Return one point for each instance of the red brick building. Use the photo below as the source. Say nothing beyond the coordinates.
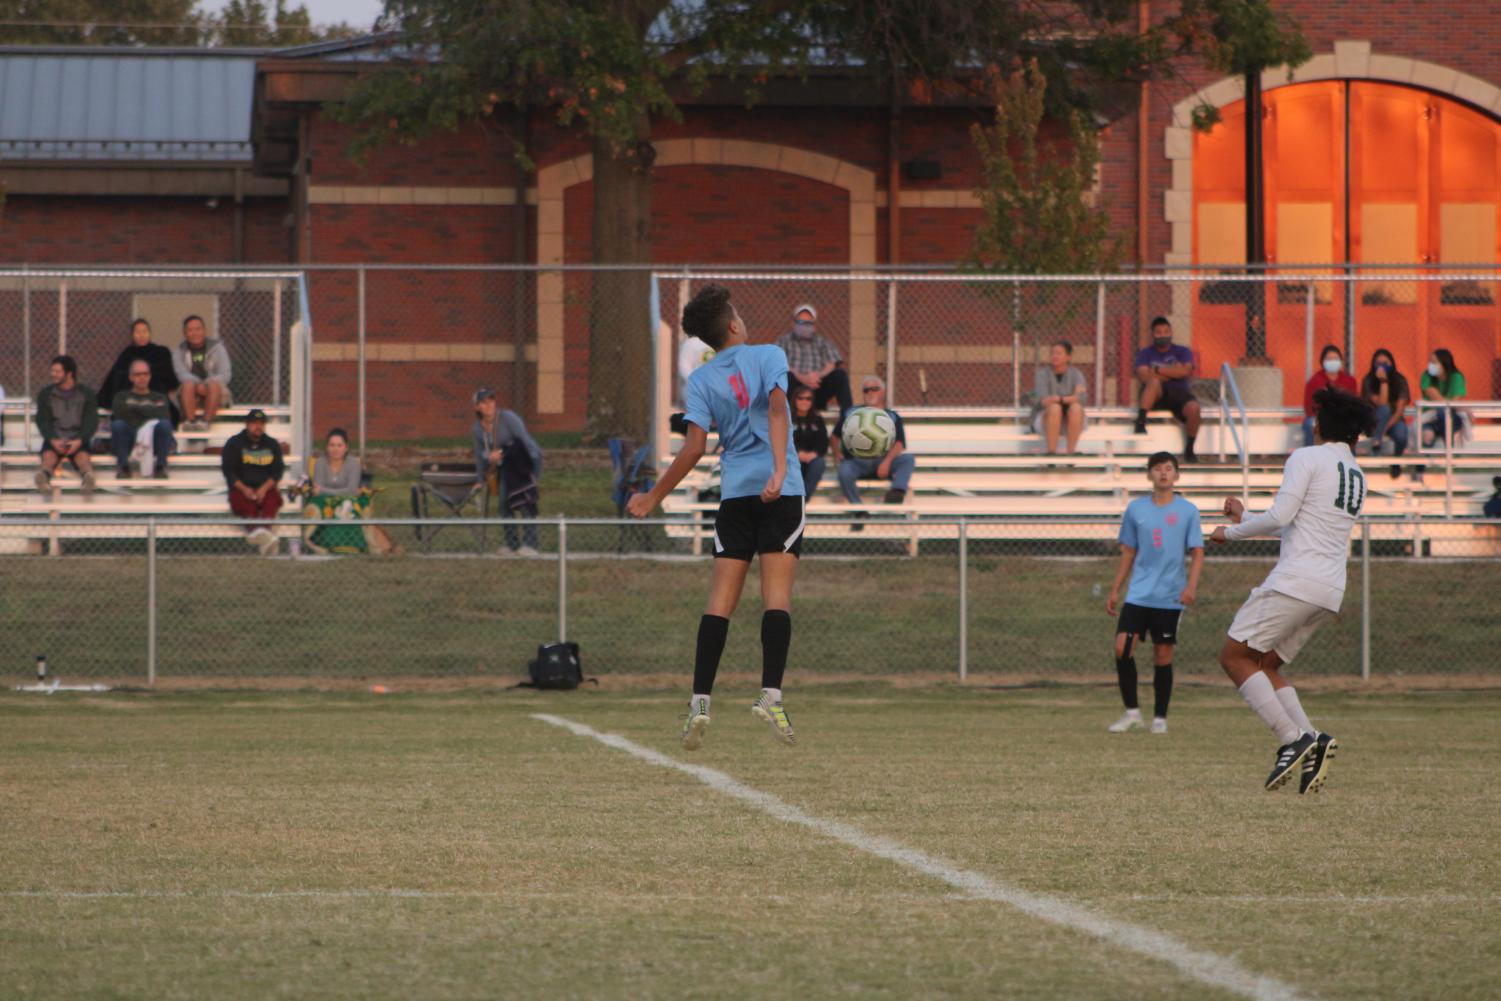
(1385, 147)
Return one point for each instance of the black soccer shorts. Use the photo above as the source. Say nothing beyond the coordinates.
(745, 526)
(1138, 620)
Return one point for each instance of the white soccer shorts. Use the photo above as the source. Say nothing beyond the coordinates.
(1277, 622)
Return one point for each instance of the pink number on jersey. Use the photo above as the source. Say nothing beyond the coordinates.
(742, 395)
(1156, 538)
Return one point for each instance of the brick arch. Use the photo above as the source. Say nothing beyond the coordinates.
(1350, 60)
(554, 179)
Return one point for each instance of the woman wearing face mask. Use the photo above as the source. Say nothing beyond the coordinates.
(1386, 389)
(1331, 373)
(1441, 381)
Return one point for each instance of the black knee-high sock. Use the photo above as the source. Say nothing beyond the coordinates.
(1162, 689)
(776, 637)
(1125, 673)
(712, 632)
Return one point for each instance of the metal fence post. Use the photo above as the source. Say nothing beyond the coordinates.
(276, 343)
(891, 341)
(360, 354)
(62, 317)
(562, 579)
(26, 357)
(1365, 599)
(1308, 336)
(151, 601)
(963, 599)
(1448, 458)
(1099, 348)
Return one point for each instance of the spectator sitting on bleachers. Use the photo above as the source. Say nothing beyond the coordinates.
(1386, 389)
(1060, 390)
(1331, 373)
(811, 439)
(1441, 381)
(896, 465)
(507, 457)
(202, 366)
(67, 414)
(135, 410)
(814, 361)
(1164, 370)
(140, 348)
(252, 464)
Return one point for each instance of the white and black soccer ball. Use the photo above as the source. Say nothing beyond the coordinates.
(868, 432)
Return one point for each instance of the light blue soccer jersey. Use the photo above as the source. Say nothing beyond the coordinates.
(1162, 537)
(731, 392)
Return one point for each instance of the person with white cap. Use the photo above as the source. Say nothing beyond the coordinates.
(896, 465)
(814, 361)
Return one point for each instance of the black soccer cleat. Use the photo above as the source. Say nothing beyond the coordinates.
(1316, 765)
(1289, 757)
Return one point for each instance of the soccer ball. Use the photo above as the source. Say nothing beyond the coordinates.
(868, 432)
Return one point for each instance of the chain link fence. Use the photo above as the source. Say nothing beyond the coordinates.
(975, 341)
(132, 601)
(88, 314)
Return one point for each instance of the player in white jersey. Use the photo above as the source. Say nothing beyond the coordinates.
(1315, 509)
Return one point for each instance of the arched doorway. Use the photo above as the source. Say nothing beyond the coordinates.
(1364, 172)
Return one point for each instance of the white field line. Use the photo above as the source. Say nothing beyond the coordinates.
(1206, 967)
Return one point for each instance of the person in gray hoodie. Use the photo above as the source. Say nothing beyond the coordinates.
(505, 451)
(202, 366)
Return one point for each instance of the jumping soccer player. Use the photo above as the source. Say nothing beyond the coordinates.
(742, 391)
(1156, 533)
(1315, 508)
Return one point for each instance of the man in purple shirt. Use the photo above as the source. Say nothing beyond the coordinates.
(1164, 370)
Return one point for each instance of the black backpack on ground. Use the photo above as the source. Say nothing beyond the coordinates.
(557, 667)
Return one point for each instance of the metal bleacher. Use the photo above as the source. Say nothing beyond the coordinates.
(194, 486)
(980, 464)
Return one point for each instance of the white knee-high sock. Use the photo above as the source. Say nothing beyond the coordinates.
(1289, 698)
(1262, 698)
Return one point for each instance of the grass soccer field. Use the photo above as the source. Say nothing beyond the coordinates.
(928, 842)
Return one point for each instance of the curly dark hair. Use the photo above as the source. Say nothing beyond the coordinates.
(1343, 417)
(707, 315)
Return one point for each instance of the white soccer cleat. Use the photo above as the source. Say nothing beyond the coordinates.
(695, 724)
(1128, 721)
(1159, 725)
(774, 714)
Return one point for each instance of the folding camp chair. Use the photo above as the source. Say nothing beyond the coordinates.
(632, 472)
(455, 487)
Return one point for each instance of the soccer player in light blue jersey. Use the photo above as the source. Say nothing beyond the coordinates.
(1157, 532)
(741, 391)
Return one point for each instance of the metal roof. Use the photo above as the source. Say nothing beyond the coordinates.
(114, 104)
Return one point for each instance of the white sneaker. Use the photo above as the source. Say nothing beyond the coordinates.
(271, 545)
(528, 551)
(1128, 721)
(1159, 725)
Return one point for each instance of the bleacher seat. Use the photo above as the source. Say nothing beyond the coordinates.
(986, 463)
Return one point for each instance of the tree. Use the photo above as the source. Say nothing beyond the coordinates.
(100, 22)
(611, 68)
(258, 23)
(243, 23)
(1039, 215)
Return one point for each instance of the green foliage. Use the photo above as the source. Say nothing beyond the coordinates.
(159, 22)
(1242, 36)
(1040, 216)
(259, 23)
(101, 22)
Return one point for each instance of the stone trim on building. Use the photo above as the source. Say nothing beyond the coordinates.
(1350, 60)
(554, 179)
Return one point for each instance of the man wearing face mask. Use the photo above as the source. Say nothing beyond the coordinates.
(1164, 370)
(1331, 373)
(814, 361)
